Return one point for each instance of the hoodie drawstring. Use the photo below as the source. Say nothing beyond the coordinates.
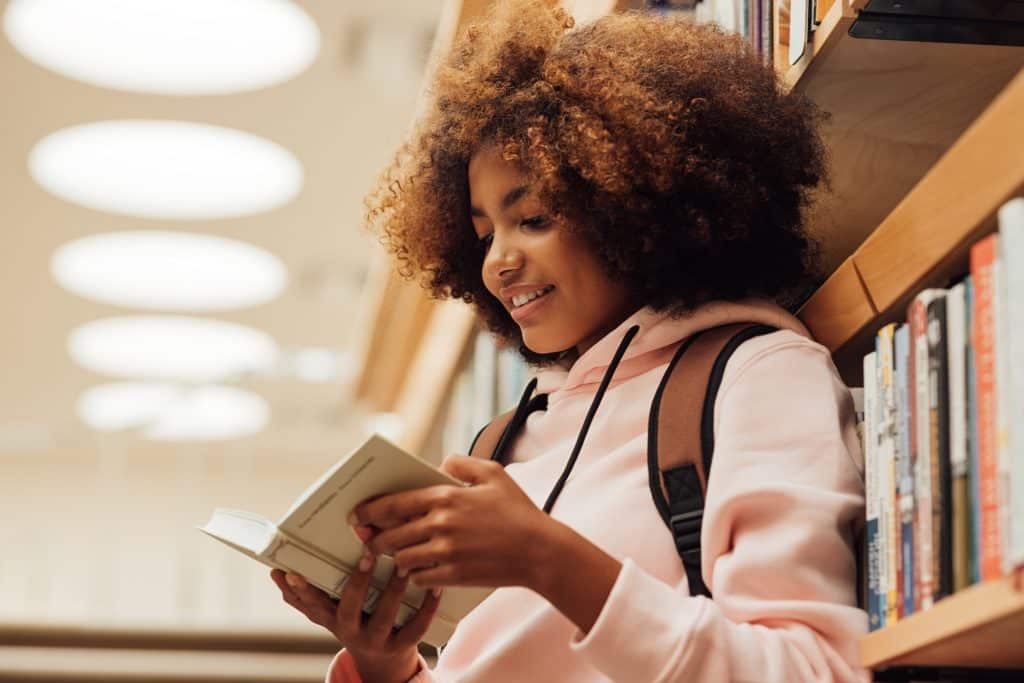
(605, 381)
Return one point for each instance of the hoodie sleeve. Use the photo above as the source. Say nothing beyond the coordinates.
(784, 499)
(343, 670)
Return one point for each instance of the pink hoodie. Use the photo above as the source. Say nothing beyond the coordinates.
(785, 499)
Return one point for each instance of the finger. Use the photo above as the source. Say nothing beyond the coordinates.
(385, 511)
(469, 470)
(391, 541)
(432, 553)
(383, 618)
(437, 577)
(412, 631)
(277, 576)
(349, 610)
(291, 599)
(318, 605)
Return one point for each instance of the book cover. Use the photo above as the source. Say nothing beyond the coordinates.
(1011, 230)
(904, 465)
(982, 259)
(872, 499)
(313, 539)
(888, 516)
(938, 440)
(956, 352)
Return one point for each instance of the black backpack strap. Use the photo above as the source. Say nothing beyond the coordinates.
(678, 471)
(494, 439)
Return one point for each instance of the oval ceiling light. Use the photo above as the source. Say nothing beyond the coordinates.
(170, 47)
(171, 348)
(170, 412)
(168, 271)
(173, 170)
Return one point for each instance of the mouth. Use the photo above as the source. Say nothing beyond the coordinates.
(525, 304)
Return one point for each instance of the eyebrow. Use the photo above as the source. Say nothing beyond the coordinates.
(513, 196)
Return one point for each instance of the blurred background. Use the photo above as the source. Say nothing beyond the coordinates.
(183, 287)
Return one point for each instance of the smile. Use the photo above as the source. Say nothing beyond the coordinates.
(522, 300)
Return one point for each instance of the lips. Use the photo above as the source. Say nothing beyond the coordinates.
(527, 310)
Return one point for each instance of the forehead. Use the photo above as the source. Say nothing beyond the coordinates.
(488, 173)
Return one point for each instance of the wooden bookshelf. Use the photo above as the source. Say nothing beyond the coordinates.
(981, 626)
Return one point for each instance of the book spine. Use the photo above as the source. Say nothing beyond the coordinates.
(957, 355)
(901, 356)
(1004, 401)
(938, 423)
(871, 496)
(1011, 230)
(973, 475)
(887, 463)
(923, 578)
(982, 259)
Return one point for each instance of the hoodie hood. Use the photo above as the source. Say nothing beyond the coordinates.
(656, 340)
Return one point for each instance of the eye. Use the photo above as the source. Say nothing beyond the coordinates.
(534, 222)
(485, 241)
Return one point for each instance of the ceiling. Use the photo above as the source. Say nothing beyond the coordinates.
(342, 118)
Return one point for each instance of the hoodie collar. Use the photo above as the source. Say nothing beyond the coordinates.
(660, 332)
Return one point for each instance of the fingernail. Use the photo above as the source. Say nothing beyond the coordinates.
(293, 580)
(436, 592)
(365, 563)
(402, 572)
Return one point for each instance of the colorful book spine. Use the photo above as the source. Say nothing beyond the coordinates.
(904, 465)
(1011, 235)
(924, 577)
(982, 257)
(889, 515)
(938, 441)
(956, 340)
(872, 500)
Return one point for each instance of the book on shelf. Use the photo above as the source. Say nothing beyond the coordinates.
(889, 579)
(925, 457)
(904, 467)
(960, 514)
(938, 442)
(313, 538)
(1011, 230)
(872, 502)
(982, 258)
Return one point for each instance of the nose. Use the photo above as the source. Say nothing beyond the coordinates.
(503, 258)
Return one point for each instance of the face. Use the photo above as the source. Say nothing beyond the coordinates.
(548, 279)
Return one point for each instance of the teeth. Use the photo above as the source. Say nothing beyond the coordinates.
(524, 299)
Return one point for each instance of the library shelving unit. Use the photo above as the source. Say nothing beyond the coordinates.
(927, 141)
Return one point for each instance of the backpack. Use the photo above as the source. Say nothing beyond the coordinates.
(679, 451)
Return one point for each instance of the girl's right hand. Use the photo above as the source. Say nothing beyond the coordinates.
(380, 652)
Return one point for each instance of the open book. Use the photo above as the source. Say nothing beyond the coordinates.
(314, 539)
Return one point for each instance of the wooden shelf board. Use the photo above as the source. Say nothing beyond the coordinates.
(982, 626)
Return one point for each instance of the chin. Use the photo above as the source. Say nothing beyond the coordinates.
(544, 344)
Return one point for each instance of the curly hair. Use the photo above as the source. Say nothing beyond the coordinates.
(667, 146)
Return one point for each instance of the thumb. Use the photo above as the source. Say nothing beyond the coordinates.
(467, 469)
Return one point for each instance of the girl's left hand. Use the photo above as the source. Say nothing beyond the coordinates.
(487, 534)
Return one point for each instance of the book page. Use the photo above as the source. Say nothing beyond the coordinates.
(319, 517)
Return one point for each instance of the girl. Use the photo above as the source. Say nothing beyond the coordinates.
(600, 192)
